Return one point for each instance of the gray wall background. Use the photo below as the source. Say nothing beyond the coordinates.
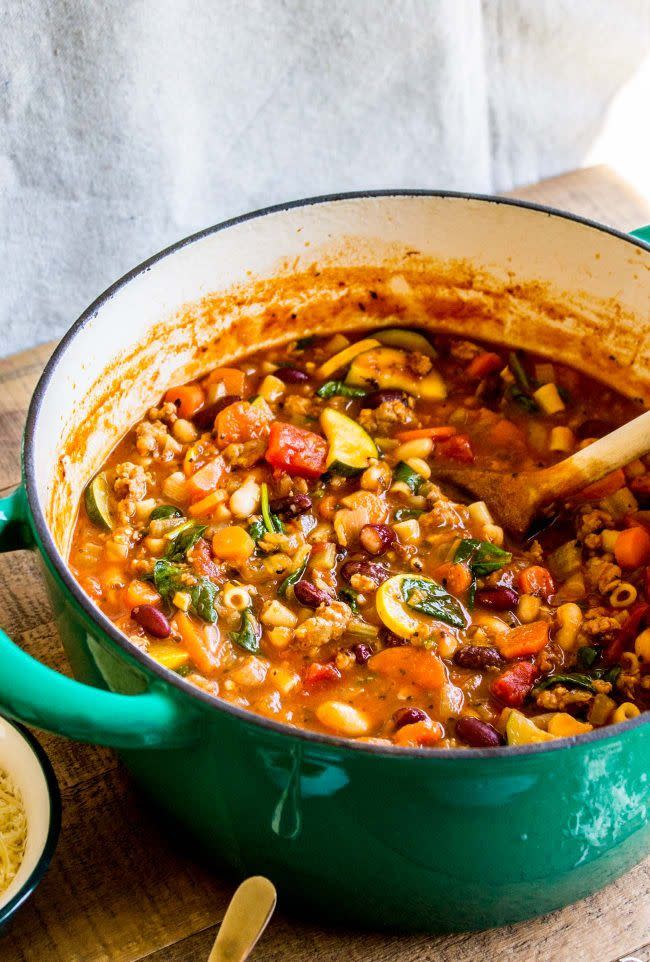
(124, 126)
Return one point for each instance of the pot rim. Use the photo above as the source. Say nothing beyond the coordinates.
(62, 570)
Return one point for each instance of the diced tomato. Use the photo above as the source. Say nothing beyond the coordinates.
(300, 453)
(513, 685)
(242, 421)
(200, 558)
(484, 364)
(318, 675)
(628, 631)
(524, 640)
(458, 448)
(536, 580)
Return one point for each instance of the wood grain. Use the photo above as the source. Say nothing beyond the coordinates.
(122, 888)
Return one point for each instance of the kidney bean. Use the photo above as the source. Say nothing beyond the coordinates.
(362, 653)
(291, 507)
(594, 428)
(498, 599)
(375, 398)
(377, 538)
(408, 716)
(309, 595)
(477, 734)
(152, 620)
(478, 656)
(392, 640)
(291, 375)
(369, 569)
(204, 419)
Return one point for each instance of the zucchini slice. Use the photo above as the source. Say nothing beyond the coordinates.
(387, 367)
(521, 730)
(407, 339)
(350, 447)
(344, 357)
(408, 604)
(97, 500)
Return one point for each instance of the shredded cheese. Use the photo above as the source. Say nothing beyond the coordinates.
(13, 830)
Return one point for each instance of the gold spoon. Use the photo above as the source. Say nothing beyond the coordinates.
(246, 917)
(514, 499)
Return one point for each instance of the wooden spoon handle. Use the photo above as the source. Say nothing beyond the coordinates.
(592, 463)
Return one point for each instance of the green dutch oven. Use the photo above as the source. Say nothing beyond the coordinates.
(374, 835)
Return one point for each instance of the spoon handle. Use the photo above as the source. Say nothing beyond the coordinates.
(246, 918)
(592, 463)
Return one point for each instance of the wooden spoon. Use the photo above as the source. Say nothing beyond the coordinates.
(515, 498)
(246, 917)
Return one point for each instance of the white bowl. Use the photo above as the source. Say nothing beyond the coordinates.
(24, 760)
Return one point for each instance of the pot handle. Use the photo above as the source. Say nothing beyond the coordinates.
(33, 693)
(643, 233)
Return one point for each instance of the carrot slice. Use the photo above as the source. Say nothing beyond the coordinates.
(233, 380)
(632, 548)
(455, 577)
(484, 364)
(206, 479)
(188, 398)
(196, 641)
(610, 484)
(524, 640)
(436, 434)
(536, 580)
(408, 664)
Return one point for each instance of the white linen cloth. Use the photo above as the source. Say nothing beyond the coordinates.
(127, 125)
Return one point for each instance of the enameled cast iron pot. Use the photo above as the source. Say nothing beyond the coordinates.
(413, 839)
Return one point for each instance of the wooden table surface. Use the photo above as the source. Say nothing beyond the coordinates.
(120, 888)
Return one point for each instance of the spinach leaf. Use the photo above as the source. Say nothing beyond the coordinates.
(271, 521)
(184, 540)
(408, 476)
(481, 557)
(518, 372)
(203, 595)
(257, 530)
(304, 342)
(587, 656)
(529, 404)
(403, 514)
(165, 511)
(572, 679)
(349, 596)
(334, 388)
(169, 578)
(608, 674)
(430, 598)
(292, 579)
(249, 634)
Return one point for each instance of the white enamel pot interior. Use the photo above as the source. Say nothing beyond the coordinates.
(483, 267)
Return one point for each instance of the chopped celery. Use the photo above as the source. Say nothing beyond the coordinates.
(565, 560)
